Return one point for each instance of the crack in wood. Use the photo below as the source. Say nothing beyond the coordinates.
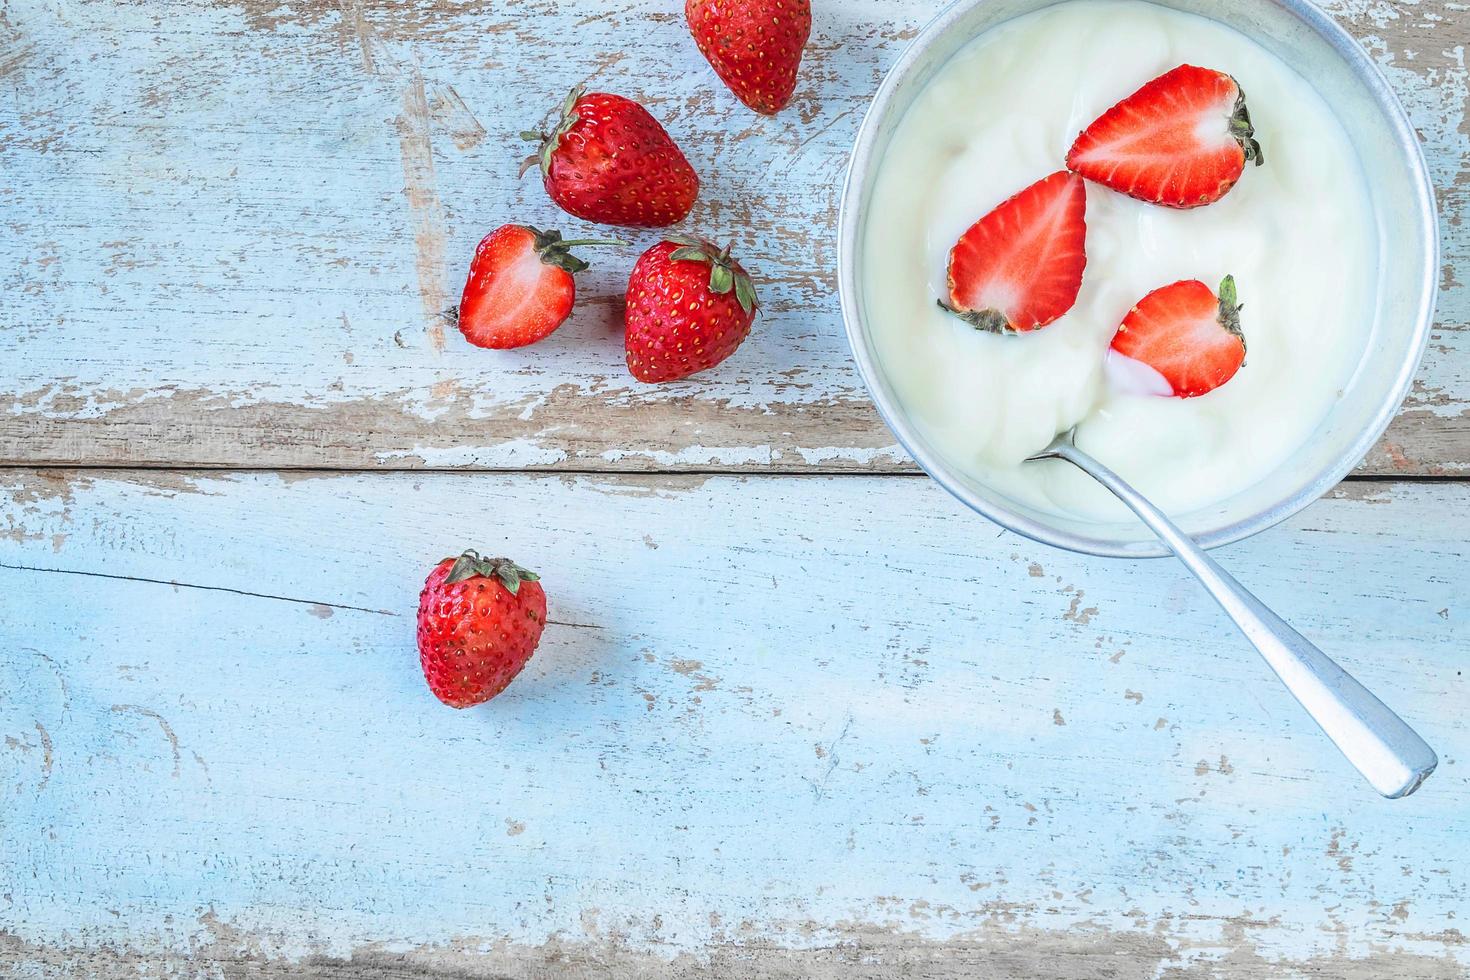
(192, 585)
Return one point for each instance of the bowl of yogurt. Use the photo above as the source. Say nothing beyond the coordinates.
(1333, 242)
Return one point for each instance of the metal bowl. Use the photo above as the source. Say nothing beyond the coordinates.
(1408, 248)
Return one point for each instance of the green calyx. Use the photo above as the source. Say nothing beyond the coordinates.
(550, 141)
(1244, 131)
(725, 273)
(991, 321)
(1230, 308)
(553, 250)
(470, 564)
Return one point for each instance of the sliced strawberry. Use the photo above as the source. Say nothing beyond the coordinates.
(520, 287)
(1182, 140)
(1188, 335)
(1020, 267)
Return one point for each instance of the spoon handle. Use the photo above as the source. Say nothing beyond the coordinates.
(1389, 754)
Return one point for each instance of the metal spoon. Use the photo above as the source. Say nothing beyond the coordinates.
(1378, 743)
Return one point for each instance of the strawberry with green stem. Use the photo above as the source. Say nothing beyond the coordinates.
(1187, 334)
(607, 160)
(1182, 141)
(689, 306)
(479, 621)
(1020, 266)
(520, 286)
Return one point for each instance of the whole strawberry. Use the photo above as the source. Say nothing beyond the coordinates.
(753, 45)
(520, 286)
(689, 306)
(609, 161)
(479, 622)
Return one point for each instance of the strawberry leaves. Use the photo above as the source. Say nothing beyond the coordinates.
(1244, 130)
(550, 141)
(1230, 308)
(470, 565)
(724, 274)
(553, 250)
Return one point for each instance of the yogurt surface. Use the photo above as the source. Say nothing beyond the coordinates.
(1298, 234)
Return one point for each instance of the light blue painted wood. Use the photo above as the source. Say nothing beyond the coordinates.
(250, 215)
(785, 709)
(774, 714)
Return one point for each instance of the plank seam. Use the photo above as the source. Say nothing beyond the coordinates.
(1418, 478)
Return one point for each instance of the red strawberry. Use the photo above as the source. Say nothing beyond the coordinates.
(1186, 334)
(1020, 267)
(520, 286)
(753, 45)
(609, 161)
(689, 306)
(479, 622)
(1182, 140)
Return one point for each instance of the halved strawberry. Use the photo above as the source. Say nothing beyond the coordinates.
(1020, 267)
(1182, 140)
(1187, 334)
(520, 287)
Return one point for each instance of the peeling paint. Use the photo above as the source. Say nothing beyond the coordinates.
(456, 119)
(388, 120)
(420, 189)
(163, 725)
(322, 176)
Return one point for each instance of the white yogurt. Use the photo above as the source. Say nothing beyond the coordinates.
(1297, 234)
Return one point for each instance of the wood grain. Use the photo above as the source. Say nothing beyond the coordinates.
(231, 230)
(910, 747)
(784, 724)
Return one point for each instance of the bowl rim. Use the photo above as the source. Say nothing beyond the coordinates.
(860, 166)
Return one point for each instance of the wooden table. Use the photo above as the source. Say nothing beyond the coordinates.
(798, 714)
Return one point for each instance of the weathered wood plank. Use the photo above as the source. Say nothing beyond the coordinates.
(231, 229)
(911, 746)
